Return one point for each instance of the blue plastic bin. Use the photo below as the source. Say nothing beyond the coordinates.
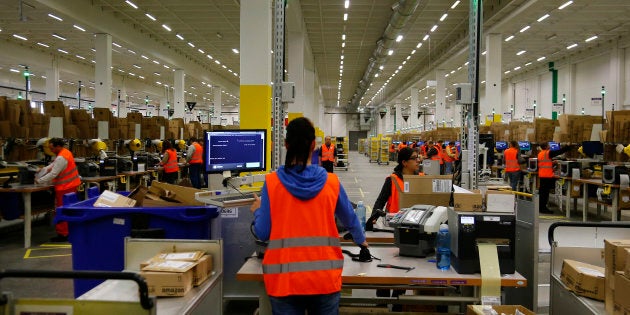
(97, 234)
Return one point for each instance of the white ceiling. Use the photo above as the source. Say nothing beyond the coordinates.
(214, 27)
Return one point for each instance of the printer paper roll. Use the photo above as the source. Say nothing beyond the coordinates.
(624, 181)
(490, 272)
(575, 173)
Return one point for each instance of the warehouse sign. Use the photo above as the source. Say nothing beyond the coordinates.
(596, 101)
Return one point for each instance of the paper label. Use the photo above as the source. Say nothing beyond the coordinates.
(173, 264)
(119, 221)
(181, 256)
(442, 185)
(109, 196)
(406, 187)
(590, 272)
(229, 212)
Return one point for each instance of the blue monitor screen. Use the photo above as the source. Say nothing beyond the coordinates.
(420, 143)
(554, 146)
(235, 150)
(591, 148)
(457, 143)
(524, 145)
(501, 145)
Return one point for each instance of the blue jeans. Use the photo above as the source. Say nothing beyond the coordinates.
(448, 168)
(194, 170)
(514, 178)
(322, 304)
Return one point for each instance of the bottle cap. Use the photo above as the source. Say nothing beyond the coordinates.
(360, 202)
(443, 227)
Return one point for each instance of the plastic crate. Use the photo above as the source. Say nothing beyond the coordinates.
(97, 234)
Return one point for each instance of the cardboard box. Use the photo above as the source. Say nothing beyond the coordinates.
(102, 114)
(621, 294)
(168, 283)
(500, 201)
(627, 269)
(185, 195)
(468, 202)
(54, 108)
(110, 199)
(202, 271)
(506, 309)
(428, 190)
(583, 279)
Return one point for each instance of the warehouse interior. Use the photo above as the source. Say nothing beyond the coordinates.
(119, 79)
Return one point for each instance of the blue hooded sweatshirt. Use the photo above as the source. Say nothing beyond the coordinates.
(304, 186)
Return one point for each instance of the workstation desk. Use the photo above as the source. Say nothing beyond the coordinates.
(585, 182)
(366, 275)
(26, 191)
(97, 180)
(128, 175)
(373, 238)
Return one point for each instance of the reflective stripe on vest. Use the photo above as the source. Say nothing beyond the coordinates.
(545, 165)
(303, 256)
(196, 156)
(69, 177)
(392, 201)
(328, 154)
(171, 164)
(511, 160)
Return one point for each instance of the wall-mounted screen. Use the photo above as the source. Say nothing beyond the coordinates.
(235, 150)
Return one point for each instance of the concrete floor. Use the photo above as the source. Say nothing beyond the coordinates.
(362, 181)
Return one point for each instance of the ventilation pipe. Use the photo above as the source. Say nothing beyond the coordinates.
(403, 10)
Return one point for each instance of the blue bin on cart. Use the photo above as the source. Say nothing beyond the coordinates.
(97, 234)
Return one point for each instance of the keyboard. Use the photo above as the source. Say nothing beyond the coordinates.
(229, 200)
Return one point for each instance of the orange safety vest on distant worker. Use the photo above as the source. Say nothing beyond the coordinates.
(392, 148)
(511, 160)
(69, 177)
(447, 158)
(401, 145)
(545, 165)
(197, 155)
(171, 164)
(392, 202)
(438, 156)
(303, 256)
(328, 154)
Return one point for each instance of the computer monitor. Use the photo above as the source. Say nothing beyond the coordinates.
(554, 146)
(235, 150)
(501, 145)
(420, 143)
(524, 145)
(592, 148)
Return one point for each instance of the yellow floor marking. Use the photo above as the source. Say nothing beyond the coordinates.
(361, 191)
(356, 180)
(54, 245)
(27, 255)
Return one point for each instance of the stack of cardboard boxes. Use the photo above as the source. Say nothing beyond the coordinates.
(617, 276)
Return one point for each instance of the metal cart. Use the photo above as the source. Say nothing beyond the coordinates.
(584, 242)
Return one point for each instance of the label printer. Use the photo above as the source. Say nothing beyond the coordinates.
(615, 174)
(415, 229)
(468, 229)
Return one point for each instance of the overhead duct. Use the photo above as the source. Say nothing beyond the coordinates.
(403, 10)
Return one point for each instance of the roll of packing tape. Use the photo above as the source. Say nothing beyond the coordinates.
(490, 274)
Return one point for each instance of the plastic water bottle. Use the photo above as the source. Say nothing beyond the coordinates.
(361, 214)
(443, 253)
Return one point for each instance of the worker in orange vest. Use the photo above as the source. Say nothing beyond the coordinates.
(63, 174)
(169, 162)
(512, 164)
(296, 211)
(408, 164)
(401, 145)
(328, 155)
(392, 152)
(545, 174)
(194, 156)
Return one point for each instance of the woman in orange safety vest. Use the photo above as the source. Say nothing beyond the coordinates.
(296, 213)
(545, 174)
(169, 161)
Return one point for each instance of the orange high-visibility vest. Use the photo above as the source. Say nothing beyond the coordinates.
(303, 256)
(545, 165)
(392, 202)
(438, 156)
(69, 177)
(392, 148)
(171, 164)
(453, 150)
(197, 155)
(447, 158)
(328, 154)
(401, 145)
(511, 160)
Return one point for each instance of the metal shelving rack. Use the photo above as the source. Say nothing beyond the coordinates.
(383, 150)
(362, 146)
(342, 146)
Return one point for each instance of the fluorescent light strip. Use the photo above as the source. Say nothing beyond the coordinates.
(179, 36)
(55, 17)
(133, 5)
(116, 44)
(524, 29)
(517, 68)
(234, 50)
(191, 44)
(455, 4)
(58, 36)
(572, 46)
(434, 28)
(150, 17)
(398, 38)
(166, 27)
(566, 4)
(78, 27)
(61, 50)
(156, 62)
(80, 57)
(201, 51)
(521, 52)
(43, 45)
(591, 38)
(542, 18)
(509, 38)
(144, 57)
(443, 17)
(425, 37)
(20, 37)
(136, 66)
(541, 58)
(345, 16)
(13, 70)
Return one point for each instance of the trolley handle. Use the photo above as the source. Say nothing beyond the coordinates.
(145, 301)
(554, 225)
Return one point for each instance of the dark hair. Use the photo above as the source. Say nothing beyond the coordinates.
(300, 136)
(403, 155)
(57, 142)
(192, 139)
(514, 143)
(166, 144)
(544, 145)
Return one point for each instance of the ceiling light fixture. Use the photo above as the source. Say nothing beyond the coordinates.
(234, 50)
(136, 66)
(443, 17)
(509, 38)
(572, 46)
(541, 58)
(527, 64)
(591, 38)
(80, 57)
(566, 4)
(425, 37)
(191, 44)
(434, 28)
(166, 27)
(133, 5)
(521, 52)
(209, 57)
(55, 17)
(517, 68)
(390, 52)
(506, 72)
(150, 17)
(201, 51)
(542, 18)
(131, 51)
(455, 4)
(43, 45)
(78, 27)
(345, 16)
(413, 51)
(179, 36)
(399, 38)
(58, 36)
(19, 37)
(61, 50)
(346, 4)
(524, 29)
(156, 62)
(116, 44)
(144, 57)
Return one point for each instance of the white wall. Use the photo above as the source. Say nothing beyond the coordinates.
(590, 76)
